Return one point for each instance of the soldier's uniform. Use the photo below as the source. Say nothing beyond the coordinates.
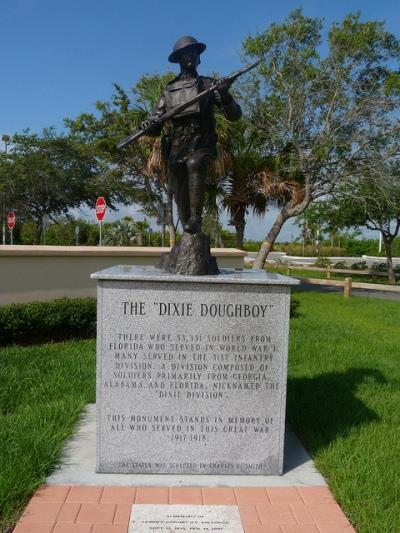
(191, 147)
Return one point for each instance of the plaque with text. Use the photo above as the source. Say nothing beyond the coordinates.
(191, 372)
(185, 519)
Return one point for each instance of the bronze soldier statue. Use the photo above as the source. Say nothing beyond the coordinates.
(188, 101)
(191, 147)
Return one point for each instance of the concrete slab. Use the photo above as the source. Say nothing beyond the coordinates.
(191, 371)
(79, 463)
(148, 518)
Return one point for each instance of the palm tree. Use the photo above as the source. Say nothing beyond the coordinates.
(282, 183)
(125, 232)
(256, 181)
(239, 195)
(137, 172)
(154, 167)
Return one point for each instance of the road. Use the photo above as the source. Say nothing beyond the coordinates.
(383, 295)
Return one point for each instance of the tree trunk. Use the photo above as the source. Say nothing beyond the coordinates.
(289, 210)
(239, 221)
(38, 231)
(239, 237)
(266, 246)
(389, 261)
(172, 234)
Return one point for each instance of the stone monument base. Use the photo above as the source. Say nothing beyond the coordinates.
(190, 256)
(191, 371)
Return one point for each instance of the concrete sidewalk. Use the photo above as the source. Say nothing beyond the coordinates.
(79, 465)
(77, 500)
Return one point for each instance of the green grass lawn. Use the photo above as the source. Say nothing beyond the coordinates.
(43, 390)
(343, 402)
(344, 399)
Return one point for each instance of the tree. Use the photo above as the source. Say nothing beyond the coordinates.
(324, 110)
(47, 176)
(371, 199)
(139, 171)
(239, 196)
(125, 232)
(319, 222)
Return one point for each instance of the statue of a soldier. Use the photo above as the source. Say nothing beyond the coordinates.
(191, 147)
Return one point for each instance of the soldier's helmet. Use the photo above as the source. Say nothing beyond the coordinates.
(183, 43)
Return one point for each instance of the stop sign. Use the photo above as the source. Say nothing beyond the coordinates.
(11, 219)
(100, 208)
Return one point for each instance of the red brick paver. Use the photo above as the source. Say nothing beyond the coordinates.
(185, 495)
(122, 513)
(152, 495)
(72, 528)
(34, 527)
(53, 493)
(284, 495)
(316, 495)
(96, 513)
(69, 512)
(83, 494)
(118, 495)
(249, 515)
(83, 509)
(251, 495)
(218, 496)
(296, 528)
(263, 529)
(38, 511)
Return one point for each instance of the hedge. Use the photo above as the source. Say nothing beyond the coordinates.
(35, 322)
(59, 320)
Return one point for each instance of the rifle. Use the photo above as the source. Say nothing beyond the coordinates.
(169, 114)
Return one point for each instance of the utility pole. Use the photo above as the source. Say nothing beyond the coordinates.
(4, 219)
(6, 140)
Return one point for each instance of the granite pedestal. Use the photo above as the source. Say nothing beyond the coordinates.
(191, 371)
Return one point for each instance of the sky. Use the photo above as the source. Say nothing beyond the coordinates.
(58, 57)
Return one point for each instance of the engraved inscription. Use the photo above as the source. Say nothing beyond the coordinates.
(185, 518)
(188, 383)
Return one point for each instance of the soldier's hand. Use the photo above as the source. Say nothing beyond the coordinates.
(146, 124)
(221, 94)
(222, 98)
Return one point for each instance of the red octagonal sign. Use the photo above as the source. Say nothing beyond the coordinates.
(100, 208)
(11, 219)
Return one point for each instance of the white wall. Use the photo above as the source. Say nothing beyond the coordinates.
(29, 273)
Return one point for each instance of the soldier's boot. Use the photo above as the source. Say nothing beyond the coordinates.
(193, 225)
(179, 186)
(196, 192)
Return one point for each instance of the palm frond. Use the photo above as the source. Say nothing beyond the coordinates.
(280, 190)
(155, 165)
(223, 163)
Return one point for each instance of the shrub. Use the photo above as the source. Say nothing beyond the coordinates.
(294, 308)
(368, 247)
(58, 320)
(340, 265)
(378, 267)
(322, 262)
(360, 265)
(310, 250)
(250, 246)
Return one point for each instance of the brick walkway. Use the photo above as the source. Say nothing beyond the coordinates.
(88, 509)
